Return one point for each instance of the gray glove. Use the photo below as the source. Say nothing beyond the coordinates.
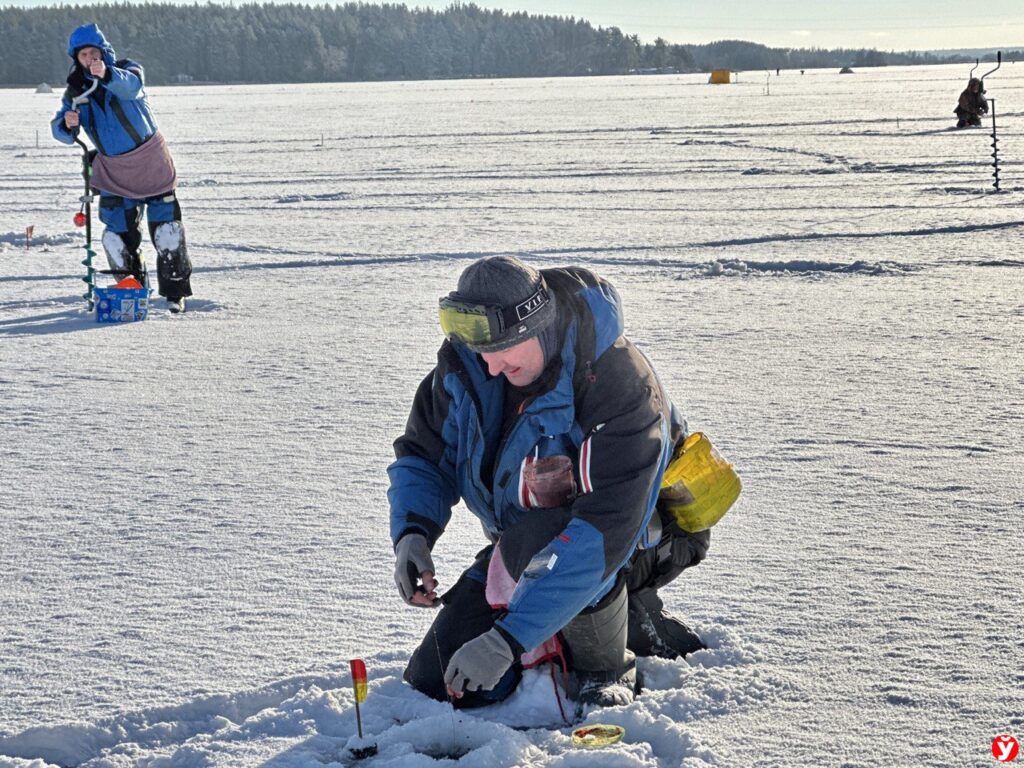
(479, 664)
(412, 557)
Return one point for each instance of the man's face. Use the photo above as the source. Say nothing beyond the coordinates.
(88, 55)
(521, 364)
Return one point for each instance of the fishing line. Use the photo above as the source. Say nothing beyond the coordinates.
(451, 703)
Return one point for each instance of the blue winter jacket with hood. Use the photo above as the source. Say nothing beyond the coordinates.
(606, 410)
(116, 116)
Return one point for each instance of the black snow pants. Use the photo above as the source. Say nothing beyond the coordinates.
(465, 612)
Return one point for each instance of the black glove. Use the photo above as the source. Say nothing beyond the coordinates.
(479, 664)
(412, 558)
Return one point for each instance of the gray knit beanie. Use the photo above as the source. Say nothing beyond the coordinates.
(507, 282)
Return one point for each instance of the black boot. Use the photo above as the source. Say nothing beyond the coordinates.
(604, 671)
(652, 632)
(607, 689)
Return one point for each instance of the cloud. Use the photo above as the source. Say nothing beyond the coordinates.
(801, 32)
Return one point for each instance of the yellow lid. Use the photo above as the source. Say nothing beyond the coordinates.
(597, 735)
(699, 485)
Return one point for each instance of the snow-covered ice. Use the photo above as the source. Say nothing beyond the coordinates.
(194, 523)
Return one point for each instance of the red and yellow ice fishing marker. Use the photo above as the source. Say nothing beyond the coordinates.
(358, 679)
(359, 688)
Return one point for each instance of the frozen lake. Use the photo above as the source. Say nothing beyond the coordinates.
(193, 529)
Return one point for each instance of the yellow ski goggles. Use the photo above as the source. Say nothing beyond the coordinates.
(480, 325)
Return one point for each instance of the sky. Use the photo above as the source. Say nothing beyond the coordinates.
(900, 25)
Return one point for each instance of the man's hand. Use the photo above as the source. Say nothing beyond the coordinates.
(412, 564)
(479, 664)
(71, 119)
(98, 69)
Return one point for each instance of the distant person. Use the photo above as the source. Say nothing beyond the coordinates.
(555, 432)
(132, 169)
(972, 104)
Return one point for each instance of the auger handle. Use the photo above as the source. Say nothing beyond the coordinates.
(999, 63)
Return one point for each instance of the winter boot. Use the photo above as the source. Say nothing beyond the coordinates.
(604, 671)
(652, 632)
(177, 305)
(607, 689)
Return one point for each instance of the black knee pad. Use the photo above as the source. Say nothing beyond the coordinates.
(172, 262)
(122, 250)
(173, 266)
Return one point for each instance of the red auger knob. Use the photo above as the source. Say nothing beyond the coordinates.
(79, 219)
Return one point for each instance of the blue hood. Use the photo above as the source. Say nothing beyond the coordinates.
(90, 34)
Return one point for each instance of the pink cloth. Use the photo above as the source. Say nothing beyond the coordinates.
(146, 171)
(499, 589)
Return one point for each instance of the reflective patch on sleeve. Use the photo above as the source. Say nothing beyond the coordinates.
(524, 492)
(585, 484)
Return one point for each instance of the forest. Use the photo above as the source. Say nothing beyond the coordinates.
(283, 43)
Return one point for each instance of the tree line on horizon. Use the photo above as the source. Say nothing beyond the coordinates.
(293, 43)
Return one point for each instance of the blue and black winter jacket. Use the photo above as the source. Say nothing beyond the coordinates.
(606, 410)
(116, 117)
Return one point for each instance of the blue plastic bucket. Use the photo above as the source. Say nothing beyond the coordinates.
(121, 305)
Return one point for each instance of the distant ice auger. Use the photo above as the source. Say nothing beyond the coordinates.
(995, 140)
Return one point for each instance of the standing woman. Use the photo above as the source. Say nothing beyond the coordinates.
(132, 169)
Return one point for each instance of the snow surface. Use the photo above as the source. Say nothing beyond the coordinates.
(194, 524)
